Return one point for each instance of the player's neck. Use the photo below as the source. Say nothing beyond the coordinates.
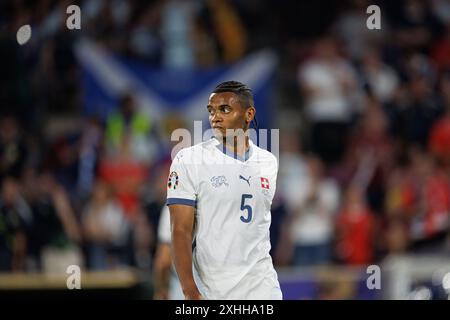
(234, 146)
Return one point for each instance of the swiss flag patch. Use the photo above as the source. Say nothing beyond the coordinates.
(264, 183)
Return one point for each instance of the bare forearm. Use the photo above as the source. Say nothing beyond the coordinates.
(162, 284)
(161, 275)
(182, 254)
(182, 225)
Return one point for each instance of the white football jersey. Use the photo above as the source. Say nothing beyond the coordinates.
(232, 198)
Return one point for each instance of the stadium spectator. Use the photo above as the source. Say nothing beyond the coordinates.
(416, 26)
(328, 82)
(421, 107)
(312, 222)
(381, 79)
(106, 230)
(370, 154)
(13, 151)
(355, 229)
(350, 27)
(15, 219)
(65, 235)
(55, 225)
(440, 53)
(440, 132)
(126, 176)
(131, 127)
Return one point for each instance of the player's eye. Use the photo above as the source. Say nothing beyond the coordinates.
(225, 109)
(211, 111)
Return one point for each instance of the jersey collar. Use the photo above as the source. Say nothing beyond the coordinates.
(221, 147)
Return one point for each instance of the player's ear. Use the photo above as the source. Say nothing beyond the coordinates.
(250, 114)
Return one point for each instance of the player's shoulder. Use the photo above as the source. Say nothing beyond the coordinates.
(264, 155)
(194, 152)
(201, 146)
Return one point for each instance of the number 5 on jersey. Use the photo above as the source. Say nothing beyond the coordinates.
(246, 207)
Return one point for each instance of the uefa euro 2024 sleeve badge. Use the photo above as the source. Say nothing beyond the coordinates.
(172, 182)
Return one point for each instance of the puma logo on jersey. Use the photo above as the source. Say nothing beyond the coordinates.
(248, 180)
(218, 181)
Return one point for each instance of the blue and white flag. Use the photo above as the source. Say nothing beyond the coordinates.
(160, 91)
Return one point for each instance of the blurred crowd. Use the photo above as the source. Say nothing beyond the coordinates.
(364, 117)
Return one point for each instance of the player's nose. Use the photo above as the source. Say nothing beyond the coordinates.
(215, 118)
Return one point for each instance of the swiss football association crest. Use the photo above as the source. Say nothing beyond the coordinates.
(265, 183)
(218, 181)
(172, 182)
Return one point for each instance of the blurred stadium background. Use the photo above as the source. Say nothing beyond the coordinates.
(364, 118)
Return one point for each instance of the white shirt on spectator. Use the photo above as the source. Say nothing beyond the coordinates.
(329, 101)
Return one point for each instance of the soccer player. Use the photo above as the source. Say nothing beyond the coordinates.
(219, 195)
(167, 285)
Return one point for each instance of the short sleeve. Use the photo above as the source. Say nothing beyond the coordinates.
(181, 187)
(164, 235)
